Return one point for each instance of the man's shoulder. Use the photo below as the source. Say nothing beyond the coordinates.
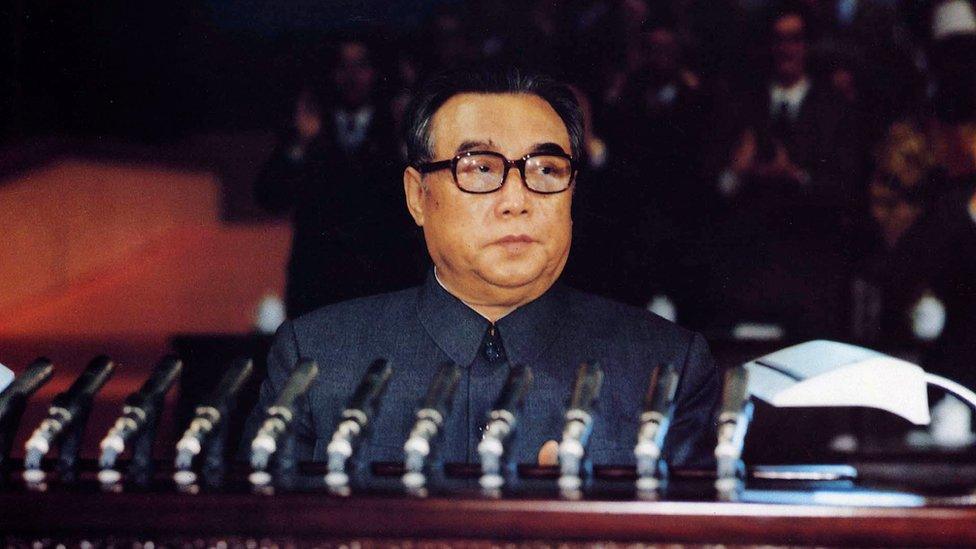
(358, 313)
(602, 316)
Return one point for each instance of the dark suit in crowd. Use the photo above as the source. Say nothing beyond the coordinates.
(780, 250)
(352, 236)
(420, 328)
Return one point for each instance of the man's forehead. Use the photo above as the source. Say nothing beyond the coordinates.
(494, 120)
(790, 22)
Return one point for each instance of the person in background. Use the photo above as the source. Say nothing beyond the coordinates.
(603, 218)
(939, 249)
(332, 172)
(904, 179)
(870, 36)
(791, 190)
(661, 126)
(795, 133)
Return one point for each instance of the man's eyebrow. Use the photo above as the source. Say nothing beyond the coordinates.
(547, 147)
(473, 145)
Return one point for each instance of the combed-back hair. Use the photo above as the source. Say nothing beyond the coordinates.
(488, 79)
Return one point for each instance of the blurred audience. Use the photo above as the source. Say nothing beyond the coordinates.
(935, 248)
(660, 118)
(336, 170)
(791, 189)
(904, 179)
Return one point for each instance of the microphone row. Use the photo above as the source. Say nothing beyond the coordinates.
(271, 458)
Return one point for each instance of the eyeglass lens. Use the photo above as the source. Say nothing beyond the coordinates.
(486, 172)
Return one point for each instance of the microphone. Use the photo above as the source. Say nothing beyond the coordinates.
(355, 418)
(6, 377)
(733, 421)
(501, 424)
(430, 418)
(579, 423)
(139, 409)
(281, 413)
(65, 408)
(211, 414)
(655, 420)
(30, 380)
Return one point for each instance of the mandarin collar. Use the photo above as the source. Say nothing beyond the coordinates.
(459, 330)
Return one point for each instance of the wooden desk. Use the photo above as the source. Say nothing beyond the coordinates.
(171, 518)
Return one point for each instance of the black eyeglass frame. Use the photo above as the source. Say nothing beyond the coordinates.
(428, 167)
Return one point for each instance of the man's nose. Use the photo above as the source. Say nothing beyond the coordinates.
(514, 195)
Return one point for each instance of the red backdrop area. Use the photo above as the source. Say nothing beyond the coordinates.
(106, 257)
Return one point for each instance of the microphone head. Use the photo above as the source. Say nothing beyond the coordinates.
(517, 384)
(298, 382)
(440, 394)
(586, 387)
(231, 383)
(32, 378)
(23, 386)
(6, 378)
(98, 371)
(661, 389)
(370, 389)
(735, 390)
(158, 383)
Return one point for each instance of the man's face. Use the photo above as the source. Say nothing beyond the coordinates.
(789, 47)
(662, 52)
(354, 74)
(505, 247)
(893, 214)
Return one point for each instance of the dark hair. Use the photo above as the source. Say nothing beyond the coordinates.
(785, 8)
(436, 91)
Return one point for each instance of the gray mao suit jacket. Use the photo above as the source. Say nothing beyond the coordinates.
(419, 328)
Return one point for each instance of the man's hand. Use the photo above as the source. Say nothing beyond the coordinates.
(744, 156)
(308, 119)
(782, 167)
(549, 453)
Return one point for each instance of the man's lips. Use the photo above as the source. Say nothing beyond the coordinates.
(515, 239)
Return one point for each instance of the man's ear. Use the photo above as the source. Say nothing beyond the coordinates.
(414, 190)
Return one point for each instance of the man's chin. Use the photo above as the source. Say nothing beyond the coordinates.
(513, 278)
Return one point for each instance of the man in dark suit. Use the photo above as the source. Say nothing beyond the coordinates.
(791, 187)
(332, 172)
(492, 160)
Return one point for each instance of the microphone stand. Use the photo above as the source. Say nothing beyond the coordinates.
(356, 419)
(13, 402)
(137, 425)
(207, 434)
(429, 420)
(577, 427)
(275, 440)
(655, 420)
(65, 424)
(502, 421)
(733, 422)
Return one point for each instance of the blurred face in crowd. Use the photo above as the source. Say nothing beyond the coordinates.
(892, 212)
(842, 80)
(450, 43)
(662, 52)
(354, 74)
(633, 14)
(956, 145)
(789, 48)
(502, 249)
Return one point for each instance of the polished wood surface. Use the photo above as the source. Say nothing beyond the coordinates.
(318, 515)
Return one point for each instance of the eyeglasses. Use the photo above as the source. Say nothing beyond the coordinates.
(482, 172)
